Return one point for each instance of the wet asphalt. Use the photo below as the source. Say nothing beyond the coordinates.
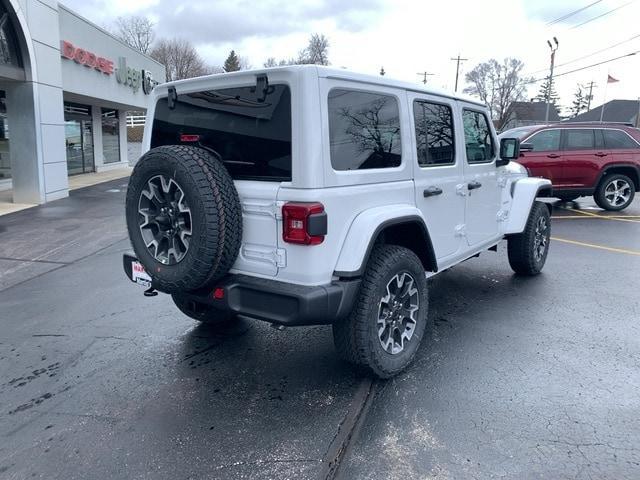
(519, 377)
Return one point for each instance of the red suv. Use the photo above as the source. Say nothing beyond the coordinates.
(581, 159)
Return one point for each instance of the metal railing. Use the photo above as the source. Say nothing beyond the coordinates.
(136, 120)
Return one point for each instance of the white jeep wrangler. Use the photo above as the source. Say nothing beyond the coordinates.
(307, 195)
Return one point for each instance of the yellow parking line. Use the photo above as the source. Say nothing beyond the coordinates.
(601, 216)
(600, 247)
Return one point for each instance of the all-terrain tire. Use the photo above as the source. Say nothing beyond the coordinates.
(357, 337)
(604, 198)
(215, 213)
(528, 250)
(202, 312)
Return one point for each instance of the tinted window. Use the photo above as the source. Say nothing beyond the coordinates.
(579, 139)
(477, 137)
(364, 130)
(252, 137)
(545, 141)
(434, 134)
(618, 139)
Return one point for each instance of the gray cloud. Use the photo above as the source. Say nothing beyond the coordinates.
(200, 22)
(211, 22)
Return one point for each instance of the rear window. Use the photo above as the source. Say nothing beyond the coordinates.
(253, 138)
(618, 139)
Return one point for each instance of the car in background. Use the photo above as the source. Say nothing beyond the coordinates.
(583, 159)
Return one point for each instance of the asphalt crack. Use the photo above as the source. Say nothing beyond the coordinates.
(348, 429)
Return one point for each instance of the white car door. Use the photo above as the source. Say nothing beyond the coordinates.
(481, 178)
(438, 167)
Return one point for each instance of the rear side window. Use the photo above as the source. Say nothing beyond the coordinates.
(579, 139)
(364, 130)
(253, 138)
(545, 141)
(477, 137)
(434, 134)
(618, 139)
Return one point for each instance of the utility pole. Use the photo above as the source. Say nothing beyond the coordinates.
(458, 60)
(638, 117)
(590, 96)
(424, 75)
(550, 82)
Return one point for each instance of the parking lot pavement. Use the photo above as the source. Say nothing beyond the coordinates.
(520, 377)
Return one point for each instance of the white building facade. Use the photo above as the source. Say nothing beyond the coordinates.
(65, 88)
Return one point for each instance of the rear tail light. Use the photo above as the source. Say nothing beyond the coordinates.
(304, 223)
(189, 138)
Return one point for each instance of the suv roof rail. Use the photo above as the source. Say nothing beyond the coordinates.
(596, 122)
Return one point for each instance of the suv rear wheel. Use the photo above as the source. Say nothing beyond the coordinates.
(528, 250)
(615, 192)
(387, 324)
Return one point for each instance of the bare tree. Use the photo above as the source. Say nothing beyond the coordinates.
(270, 62)
(317, 51)
(181, 59)
(498, 85)
(137, 32)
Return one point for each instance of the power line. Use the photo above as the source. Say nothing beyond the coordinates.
(564, 17)
(602, 15)
(589, 55)
(583, 68)
(599, 63)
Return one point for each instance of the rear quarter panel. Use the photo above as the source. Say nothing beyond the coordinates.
(314, 265)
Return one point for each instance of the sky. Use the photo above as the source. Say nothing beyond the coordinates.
(406, 37)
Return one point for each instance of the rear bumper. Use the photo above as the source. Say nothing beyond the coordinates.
(276, 302)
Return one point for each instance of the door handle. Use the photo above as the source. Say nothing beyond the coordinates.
(553, 155)
(432, 191)
(601, 154)
(473, 185)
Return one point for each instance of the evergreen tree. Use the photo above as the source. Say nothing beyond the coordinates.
(579, 104)
(554, 98)
(232, 63)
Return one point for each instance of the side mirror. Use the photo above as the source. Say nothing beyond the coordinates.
(509, 150)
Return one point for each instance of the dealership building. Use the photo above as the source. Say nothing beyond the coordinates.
(65, 87)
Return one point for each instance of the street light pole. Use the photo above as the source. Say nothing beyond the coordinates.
(550, 81)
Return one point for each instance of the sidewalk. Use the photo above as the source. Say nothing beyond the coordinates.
(75, 182)
(50, 236)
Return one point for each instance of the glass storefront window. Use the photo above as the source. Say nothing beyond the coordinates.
(9, 52)
(5, 160)
(78, 133)
(110, 136)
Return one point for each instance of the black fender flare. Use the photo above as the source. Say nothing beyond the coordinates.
(426, 254)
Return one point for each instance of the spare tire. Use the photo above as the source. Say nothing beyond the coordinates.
(184, 217)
